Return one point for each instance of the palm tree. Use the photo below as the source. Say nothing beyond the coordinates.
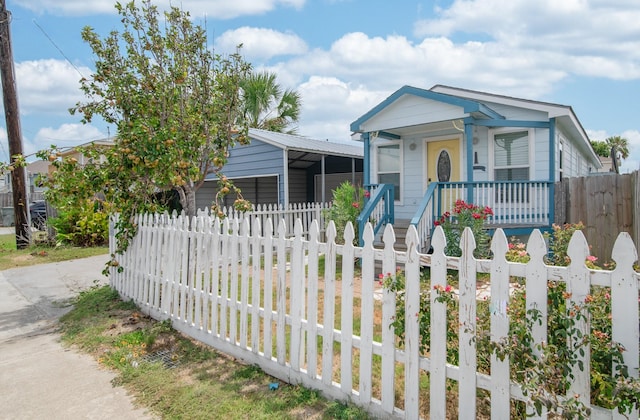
(267, 106)
(621, 144)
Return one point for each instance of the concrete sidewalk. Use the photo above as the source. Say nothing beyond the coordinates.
(38, 377)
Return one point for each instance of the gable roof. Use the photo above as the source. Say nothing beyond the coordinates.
(474, 108)
(347, 148)
(563, 113)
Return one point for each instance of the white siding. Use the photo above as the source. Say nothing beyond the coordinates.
(411, 110)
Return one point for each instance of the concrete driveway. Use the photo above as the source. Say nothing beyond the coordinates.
(39, 378)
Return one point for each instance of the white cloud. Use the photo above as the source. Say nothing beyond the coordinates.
(597, 38)
(632, 163)
(261, 43)
(217, 9)
(65, 135)
(48, 86)
(330, 106)
(385, 64)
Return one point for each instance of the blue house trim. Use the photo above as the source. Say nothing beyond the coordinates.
(552, 166)
(509, 123)
(468, 134)
(366, 164)
(469, 106)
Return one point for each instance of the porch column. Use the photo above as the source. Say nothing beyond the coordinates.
(285, 169)
(353, 171)
(468, 134)
(552, 169)
(366, 179)
(322, 169)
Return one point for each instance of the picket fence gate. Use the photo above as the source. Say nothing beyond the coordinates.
(228, 289)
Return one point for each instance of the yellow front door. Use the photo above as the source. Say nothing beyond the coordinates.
(443, 165)
(443, 161)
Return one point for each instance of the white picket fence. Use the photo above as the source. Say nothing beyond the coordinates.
(306, 212)
(260, 298)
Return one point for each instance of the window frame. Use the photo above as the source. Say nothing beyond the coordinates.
(492, 156)
(388, 143)
(515, 195)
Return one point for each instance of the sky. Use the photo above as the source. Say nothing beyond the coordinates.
(345, 56)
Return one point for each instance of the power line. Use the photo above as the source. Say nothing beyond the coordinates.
(58, 48)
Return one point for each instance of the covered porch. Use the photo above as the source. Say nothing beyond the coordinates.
(518, 206)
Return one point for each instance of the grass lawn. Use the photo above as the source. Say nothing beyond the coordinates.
(10, 257)
(176, 377)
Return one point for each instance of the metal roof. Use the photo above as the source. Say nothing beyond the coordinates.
(294, 143)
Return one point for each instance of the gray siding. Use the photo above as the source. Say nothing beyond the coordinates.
(297, 186)
(257, 158)
(259, 190)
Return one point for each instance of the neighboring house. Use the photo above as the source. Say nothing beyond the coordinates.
(432, 147)
(74, 152)
(277, 168)
(34, 169)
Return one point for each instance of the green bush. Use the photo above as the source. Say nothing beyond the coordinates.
(465, 215)
(86, 223)
(346, 205)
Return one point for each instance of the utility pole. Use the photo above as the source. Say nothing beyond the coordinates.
(12, 117)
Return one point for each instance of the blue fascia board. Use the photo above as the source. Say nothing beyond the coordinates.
(469, 106)
(387, 135)
(485, 110)
(512, 123)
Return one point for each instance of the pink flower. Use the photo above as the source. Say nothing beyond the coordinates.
(367, 194)
(477, 216)
(592, 258)
(448, 288)
(355, 205)
(380, 276)
(436, 223)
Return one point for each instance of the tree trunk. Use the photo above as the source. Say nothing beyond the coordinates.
(187, 199)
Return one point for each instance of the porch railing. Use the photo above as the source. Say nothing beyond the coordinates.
(515, 204)
(378, 209)
(425, 215)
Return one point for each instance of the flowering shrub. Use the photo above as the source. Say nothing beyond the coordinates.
(346, 205)
(465, 215)
(517, 251)
(544, 370)
(559, 242)
(445, 294)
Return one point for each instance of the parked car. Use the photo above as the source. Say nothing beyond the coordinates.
(38, 212)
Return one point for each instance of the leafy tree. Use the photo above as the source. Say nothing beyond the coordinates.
(621, 144)
(601, 148)
(267, 106)
(176, 105)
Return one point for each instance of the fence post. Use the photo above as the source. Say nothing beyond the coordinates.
(412, 327)
(500, 396)
(329, 304)
(438, 344)
(624, 305)
(388, 315)
(467, 331)
(578, 287)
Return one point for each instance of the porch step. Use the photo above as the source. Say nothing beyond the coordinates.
(400, 228)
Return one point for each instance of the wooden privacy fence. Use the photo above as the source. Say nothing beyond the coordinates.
(606, 204)
(262, 299)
